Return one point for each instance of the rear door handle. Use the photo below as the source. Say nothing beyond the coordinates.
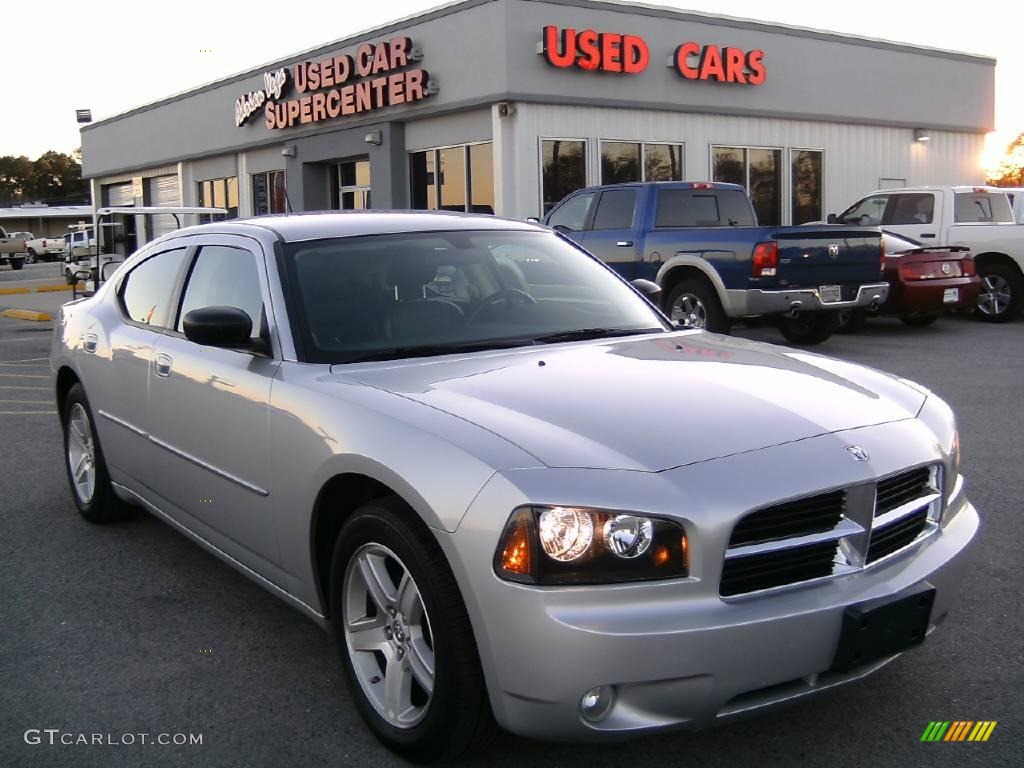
(929, 234)
(91, 340)
(625, 244)
(162, 365)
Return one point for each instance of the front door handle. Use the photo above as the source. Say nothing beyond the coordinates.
(91, 340)
(625, 244)
(162, 365)
(929, 234)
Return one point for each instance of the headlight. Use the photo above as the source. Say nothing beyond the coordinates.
(575, 545)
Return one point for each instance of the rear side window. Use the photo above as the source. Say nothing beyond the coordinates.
(703, 208)
(572, 214)
(981, 208)
(146, 290)
(615, 209)
(911, 209)
(224, 277)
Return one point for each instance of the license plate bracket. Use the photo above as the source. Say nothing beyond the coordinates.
(878, 628)
(830, 293)
(951, 296)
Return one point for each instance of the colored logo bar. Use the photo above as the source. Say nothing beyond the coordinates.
(959, 730)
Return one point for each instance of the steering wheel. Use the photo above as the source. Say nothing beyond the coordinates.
(502, 295)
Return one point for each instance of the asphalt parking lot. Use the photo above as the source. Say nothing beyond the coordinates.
(132, 629)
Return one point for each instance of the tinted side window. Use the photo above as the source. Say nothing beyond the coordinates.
(981, 208)
(146, 290)
(910, 209)
(573, 213)
(703, 208)
(224, 277)
(866, 213)
(615, 209)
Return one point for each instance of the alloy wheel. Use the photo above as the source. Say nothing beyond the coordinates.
(996, 295)
(388, 635)
(81, 453)
(690, 311)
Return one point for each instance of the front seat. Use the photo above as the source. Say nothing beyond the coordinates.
(413, 316)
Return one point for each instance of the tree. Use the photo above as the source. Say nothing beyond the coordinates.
(53, 177)
(1010, 171)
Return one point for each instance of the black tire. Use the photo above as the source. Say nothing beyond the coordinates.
(808, 327)
(458, 718)
(919, 321)
(103, 506)
(715, 319)
(31, 258)
(17, 264)
(851, 321)
(1010, 278)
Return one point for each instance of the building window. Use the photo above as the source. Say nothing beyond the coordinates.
(268, 193)
(459, 178)
(563, 169)
(623, 162)
(807, 184)
(219, 193)
(352, 190)
(759, 171)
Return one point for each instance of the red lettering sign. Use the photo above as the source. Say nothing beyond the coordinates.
(720, 64)
(595, 51)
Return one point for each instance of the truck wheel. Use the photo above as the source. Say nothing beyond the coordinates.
(851, 320)
(694, 304)
(919, 320)
(17, 264)
(808, 327)
(406, 643)
(31, 257)
(1001, 293)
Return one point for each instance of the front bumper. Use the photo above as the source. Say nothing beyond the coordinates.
(762, 302)
(679, 655)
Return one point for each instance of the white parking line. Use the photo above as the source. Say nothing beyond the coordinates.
(28, 413)
(27, 402)
(24, 375)
(14, 386)
(29, 360)
(29, 339)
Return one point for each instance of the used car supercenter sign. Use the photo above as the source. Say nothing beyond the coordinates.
(594, 51)
(336, 86)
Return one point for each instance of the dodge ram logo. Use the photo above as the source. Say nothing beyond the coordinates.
(857, 452)
(833, 250)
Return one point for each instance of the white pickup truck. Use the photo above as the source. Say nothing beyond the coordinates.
(12, 250)
(43, 248)
(979, 218)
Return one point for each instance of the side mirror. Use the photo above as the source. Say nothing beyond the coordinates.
(832, 219)
(219, 327)
(532, 220)
(108, 269)
(563, 229)
(648, 288)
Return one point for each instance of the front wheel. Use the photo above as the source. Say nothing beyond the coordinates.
(1001, 293)
(30, 258)
(405, 640)
(693, 303)
(808, 327)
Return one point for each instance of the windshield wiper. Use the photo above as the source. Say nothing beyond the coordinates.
(430, 350)
(582, 334)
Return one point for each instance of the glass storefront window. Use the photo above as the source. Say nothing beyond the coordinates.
(563, 169)
(219, 193)
(620, 162)
(353, 192)
(663, 162)
(268, 193)
(759, 171)
(459, 178)
(807, 184)
(729, 165)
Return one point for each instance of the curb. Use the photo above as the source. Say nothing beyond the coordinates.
(50, 288)
(12, 291)
(27, 314)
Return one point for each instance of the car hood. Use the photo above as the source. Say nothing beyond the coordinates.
(649, 402)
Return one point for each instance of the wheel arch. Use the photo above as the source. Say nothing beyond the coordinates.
(66, 379)
(682, 267)
(995, 257)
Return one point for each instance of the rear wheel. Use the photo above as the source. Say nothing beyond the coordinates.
(808, 327)
(919, 320)
(405, 639)
(851, 320)
(1001, 293)
(17, 264)
(31, 257)
(693, 303)
(86, 467)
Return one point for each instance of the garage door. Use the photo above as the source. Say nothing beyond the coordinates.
(163, 191)
(120, 194)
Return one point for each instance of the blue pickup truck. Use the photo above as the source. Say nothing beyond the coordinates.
(701, 244)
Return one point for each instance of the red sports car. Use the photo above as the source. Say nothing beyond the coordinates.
(924, 281)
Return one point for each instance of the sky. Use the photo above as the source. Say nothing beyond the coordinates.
(111, 56)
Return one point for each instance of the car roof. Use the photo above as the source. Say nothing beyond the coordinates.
(666, 184)
(319, 225)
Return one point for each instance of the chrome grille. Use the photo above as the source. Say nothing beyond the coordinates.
(831, 533)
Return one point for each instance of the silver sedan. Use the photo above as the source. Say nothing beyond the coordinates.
(509, 488)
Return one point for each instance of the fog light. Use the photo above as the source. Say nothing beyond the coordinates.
(597, 703)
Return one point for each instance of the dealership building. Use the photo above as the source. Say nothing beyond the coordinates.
(506, 106)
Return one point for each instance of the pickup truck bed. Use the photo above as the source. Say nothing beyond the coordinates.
(12, 250)
(700, 242)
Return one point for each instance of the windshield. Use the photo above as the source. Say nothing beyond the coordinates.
(425, 293)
